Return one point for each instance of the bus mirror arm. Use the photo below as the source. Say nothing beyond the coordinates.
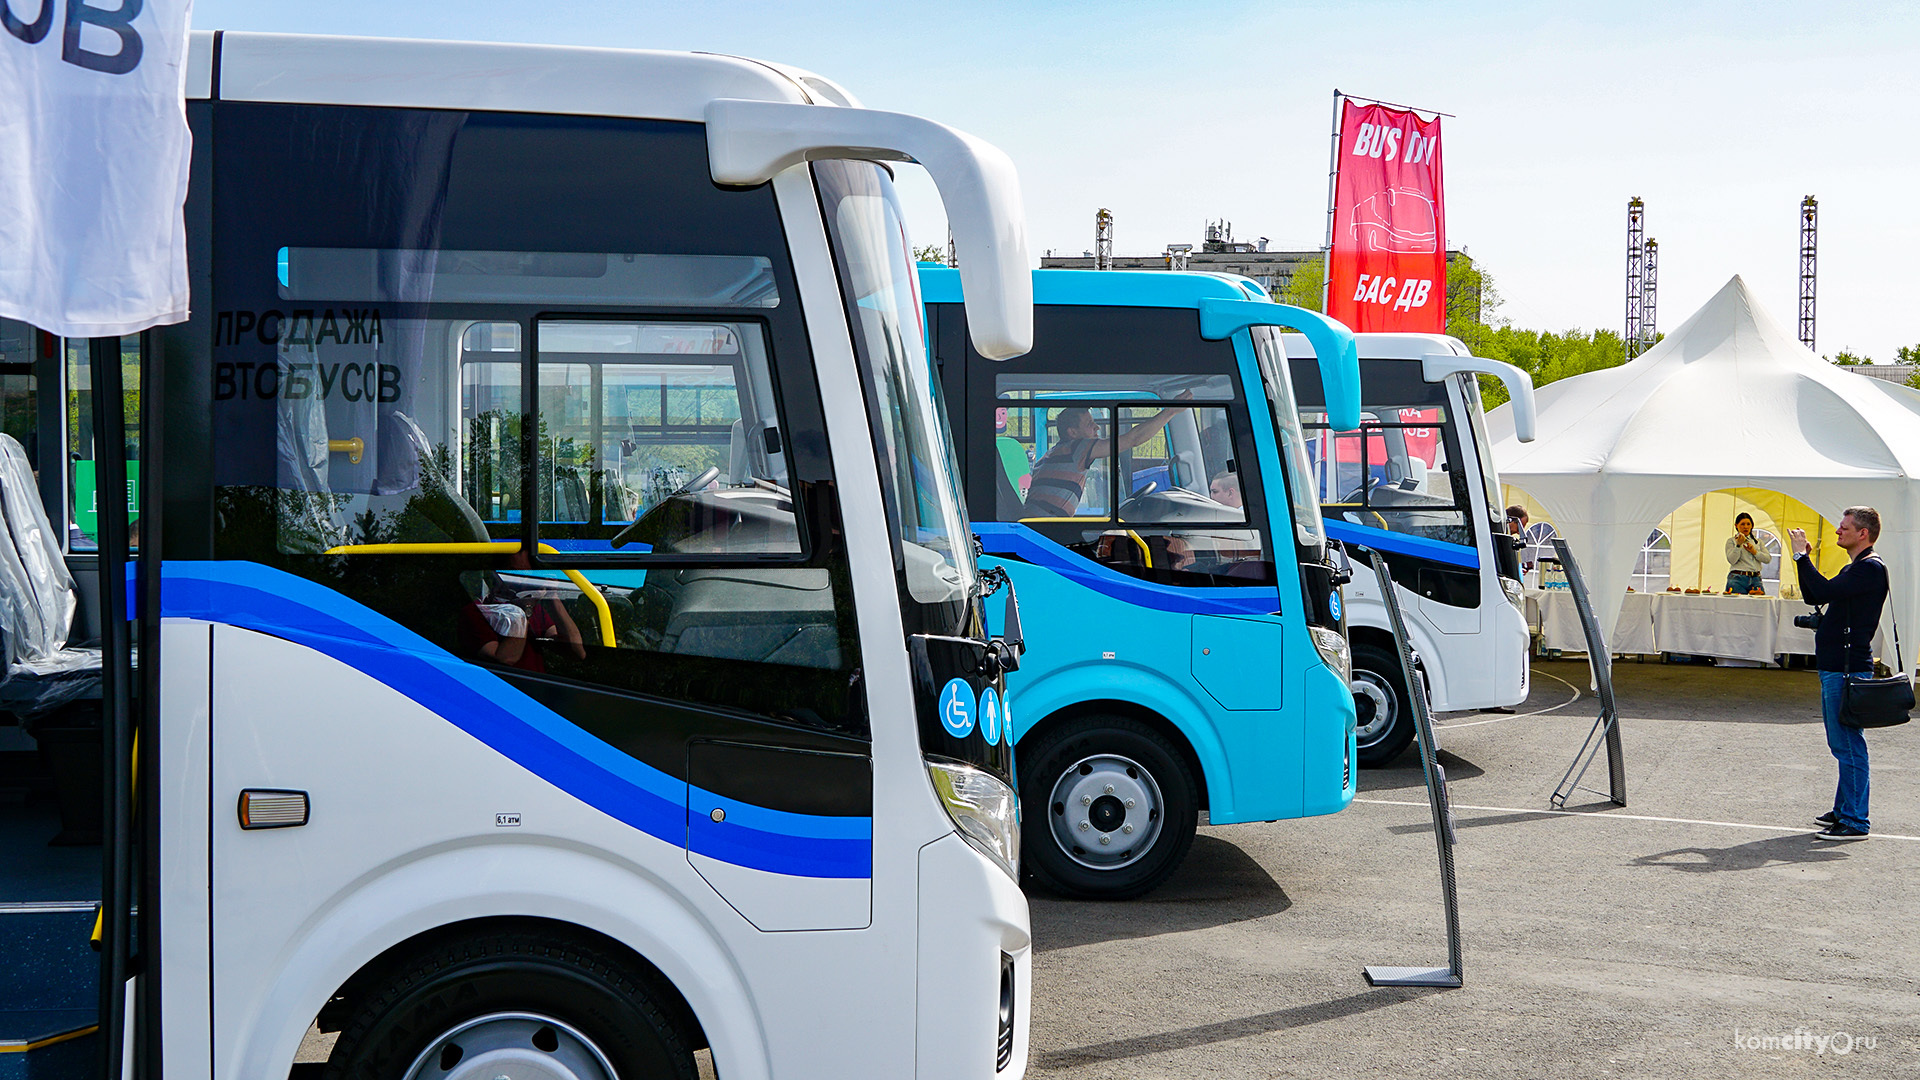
(1005, 648)
(1437, 366)
(1333, 345)
(750, 142)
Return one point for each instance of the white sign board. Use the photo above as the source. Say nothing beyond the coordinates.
(93, 164)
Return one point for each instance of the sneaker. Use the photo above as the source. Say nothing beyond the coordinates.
(1837, 831)
(1828, 818)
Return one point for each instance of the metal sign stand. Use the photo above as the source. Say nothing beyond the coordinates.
(1443, 835)
(1606, 727)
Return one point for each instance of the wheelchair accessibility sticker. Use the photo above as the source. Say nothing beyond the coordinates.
(1333, 605)
(956, 708)
(991, 715)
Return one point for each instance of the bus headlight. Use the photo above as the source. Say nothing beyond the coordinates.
(1332, 646)
(1516, 594)
(983, 808)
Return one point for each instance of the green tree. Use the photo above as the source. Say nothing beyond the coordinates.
(1847, 358)
(1307, 287)
(930, 253)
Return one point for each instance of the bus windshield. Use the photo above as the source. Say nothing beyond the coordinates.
(919, 478)
(1307, 526)
(1477, 420)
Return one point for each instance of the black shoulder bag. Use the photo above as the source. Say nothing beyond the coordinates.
(1875, 703)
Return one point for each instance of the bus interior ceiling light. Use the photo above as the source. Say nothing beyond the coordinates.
(1437, 366)
(749, 142)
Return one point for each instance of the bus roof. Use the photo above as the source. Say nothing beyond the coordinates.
(1098, 288)
(324, 70)
(1378, 346)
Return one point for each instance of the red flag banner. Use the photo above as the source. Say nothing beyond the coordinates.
(1388, 267)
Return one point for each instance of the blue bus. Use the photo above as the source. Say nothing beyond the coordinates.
(1141, 476)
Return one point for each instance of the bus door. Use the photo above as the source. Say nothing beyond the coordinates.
(70, 836)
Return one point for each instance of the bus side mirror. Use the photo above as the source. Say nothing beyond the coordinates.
(1337, 558)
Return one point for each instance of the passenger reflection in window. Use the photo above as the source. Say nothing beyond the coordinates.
(505, 623)
(1060, 478)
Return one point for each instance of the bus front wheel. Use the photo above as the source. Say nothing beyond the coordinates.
(1383, 710)
(1111, 807)
(509, 1004)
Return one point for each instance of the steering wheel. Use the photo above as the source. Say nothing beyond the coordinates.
(625, 536)
(1151, 487)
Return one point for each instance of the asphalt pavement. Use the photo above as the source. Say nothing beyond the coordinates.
(1700, 931)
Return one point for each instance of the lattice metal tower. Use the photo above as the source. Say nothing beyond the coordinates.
(953, 253)
(1636, 251)
(1809, 233)
(1650, 296)
(1103, 239)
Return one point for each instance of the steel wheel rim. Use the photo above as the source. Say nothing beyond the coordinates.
(514, 1045)
(1106, 811)
(1374, 691)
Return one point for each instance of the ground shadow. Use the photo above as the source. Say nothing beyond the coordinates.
(1405, 772)
(1480, 822)
(1229, 1030)
(1657, 691)
(1217, 884)
(1754, 855)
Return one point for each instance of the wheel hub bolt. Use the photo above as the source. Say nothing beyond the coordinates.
(1106, 839)
(1126, 828)
(1084, 826)
(1086, 800)
(1129, 804)
(1109, 789)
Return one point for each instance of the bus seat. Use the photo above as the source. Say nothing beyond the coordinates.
(437, 503)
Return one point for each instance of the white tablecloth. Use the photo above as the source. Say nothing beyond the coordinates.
(1756, 628)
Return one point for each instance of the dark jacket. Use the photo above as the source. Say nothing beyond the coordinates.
(1854, 597)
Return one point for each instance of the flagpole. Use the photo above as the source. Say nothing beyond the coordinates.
(1333, 172)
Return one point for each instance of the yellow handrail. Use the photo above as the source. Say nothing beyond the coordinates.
(353, 448)
(1146, 553)
(493, 547)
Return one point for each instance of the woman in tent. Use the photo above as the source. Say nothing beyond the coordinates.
(1745, 557)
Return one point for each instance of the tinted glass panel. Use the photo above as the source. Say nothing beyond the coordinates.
(383, 279)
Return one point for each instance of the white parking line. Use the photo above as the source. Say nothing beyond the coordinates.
(1608, 814)
(1524, 715)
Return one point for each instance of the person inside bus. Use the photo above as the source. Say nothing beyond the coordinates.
(1745, 557)
(1060, 478)
(1225, 490)
(505, 626)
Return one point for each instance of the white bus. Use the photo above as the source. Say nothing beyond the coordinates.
(1417, 482)
(569, 650)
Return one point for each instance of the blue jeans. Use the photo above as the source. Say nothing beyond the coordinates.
(1742, 583)
(1849, 746)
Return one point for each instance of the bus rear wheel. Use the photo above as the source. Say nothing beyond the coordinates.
(511, 1004)
(1383, 710)
(1111, 808)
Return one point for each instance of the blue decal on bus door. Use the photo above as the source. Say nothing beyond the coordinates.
(956, 708)
(1333, 604)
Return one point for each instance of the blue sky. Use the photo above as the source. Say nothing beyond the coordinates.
(1720, 115)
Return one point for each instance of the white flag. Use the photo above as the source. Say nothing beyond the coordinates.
(93, 164)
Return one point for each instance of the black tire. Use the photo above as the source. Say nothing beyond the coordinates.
(1379, 687)
(604, 997)
(1140, 764)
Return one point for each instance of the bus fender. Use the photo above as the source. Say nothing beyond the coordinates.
(475, 881)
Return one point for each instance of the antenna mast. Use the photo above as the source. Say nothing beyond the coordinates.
(1636, 250)
(1103, 239)
(1809, 234)
(1649, 297)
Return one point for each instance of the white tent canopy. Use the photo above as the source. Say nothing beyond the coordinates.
(1728, 400)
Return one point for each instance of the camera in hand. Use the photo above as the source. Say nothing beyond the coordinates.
(1808, 622)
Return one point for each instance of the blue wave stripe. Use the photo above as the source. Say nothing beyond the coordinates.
(744, 846)
(1021, 541)
(256, 597)
(1400, 543)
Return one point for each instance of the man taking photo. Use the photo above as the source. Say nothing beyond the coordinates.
(1842, 645)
